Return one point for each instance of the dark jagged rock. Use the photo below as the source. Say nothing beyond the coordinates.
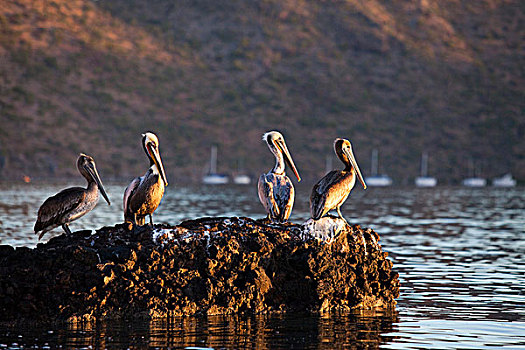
(208, 266)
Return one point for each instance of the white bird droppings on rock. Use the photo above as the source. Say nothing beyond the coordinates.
(325, 229)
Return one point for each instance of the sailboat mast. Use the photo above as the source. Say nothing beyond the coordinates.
(375, 155)
(213, 160)
(424, 164)
(328, 164)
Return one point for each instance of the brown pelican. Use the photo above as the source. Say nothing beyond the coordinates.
(143, 194)
(333, 189)
(71, 203)
(276, 191)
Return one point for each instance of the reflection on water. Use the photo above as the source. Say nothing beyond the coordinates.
(285, 331)
(459, 252)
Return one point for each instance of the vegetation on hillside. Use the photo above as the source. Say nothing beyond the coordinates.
(403, 77)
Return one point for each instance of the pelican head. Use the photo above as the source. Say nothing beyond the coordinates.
(88, 169)
(275, 141)
(150, 142)
(343, 149)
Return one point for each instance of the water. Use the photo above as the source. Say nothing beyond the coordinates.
(460, 253)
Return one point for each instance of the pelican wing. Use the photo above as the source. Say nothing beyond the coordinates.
(285, 197)
(266, 195)
(55, 207)
(326, 194)
(128, 193)
(276, 193)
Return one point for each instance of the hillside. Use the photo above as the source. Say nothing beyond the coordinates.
(90, 76)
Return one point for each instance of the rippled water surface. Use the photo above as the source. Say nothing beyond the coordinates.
(460, 254)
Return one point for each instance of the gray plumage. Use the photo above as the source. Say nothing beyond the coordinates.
(331, 192)
(142, 197)
(276, 193)
(72, 203)
(144, 194)
(334, 188)
(275, 189)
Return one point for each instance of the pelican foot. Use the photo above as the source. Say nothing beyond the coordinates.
(66, 228)
(128, 226)
(341, 215)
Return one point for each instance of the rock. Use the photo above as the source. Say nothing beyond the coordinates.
(203, 266)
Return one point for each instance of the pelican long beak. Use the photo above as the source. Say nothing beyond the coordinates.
(288, 158)
(155, 155)
(351, 157)
(92, 170)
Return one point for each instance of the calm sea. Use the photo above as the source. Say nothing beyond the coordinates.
(460, 253)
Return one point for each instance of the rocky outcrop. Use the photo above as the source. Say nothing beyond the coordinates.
(204, 266)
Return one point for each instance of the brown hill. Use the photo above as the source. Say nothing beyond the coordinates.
(403, 77)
